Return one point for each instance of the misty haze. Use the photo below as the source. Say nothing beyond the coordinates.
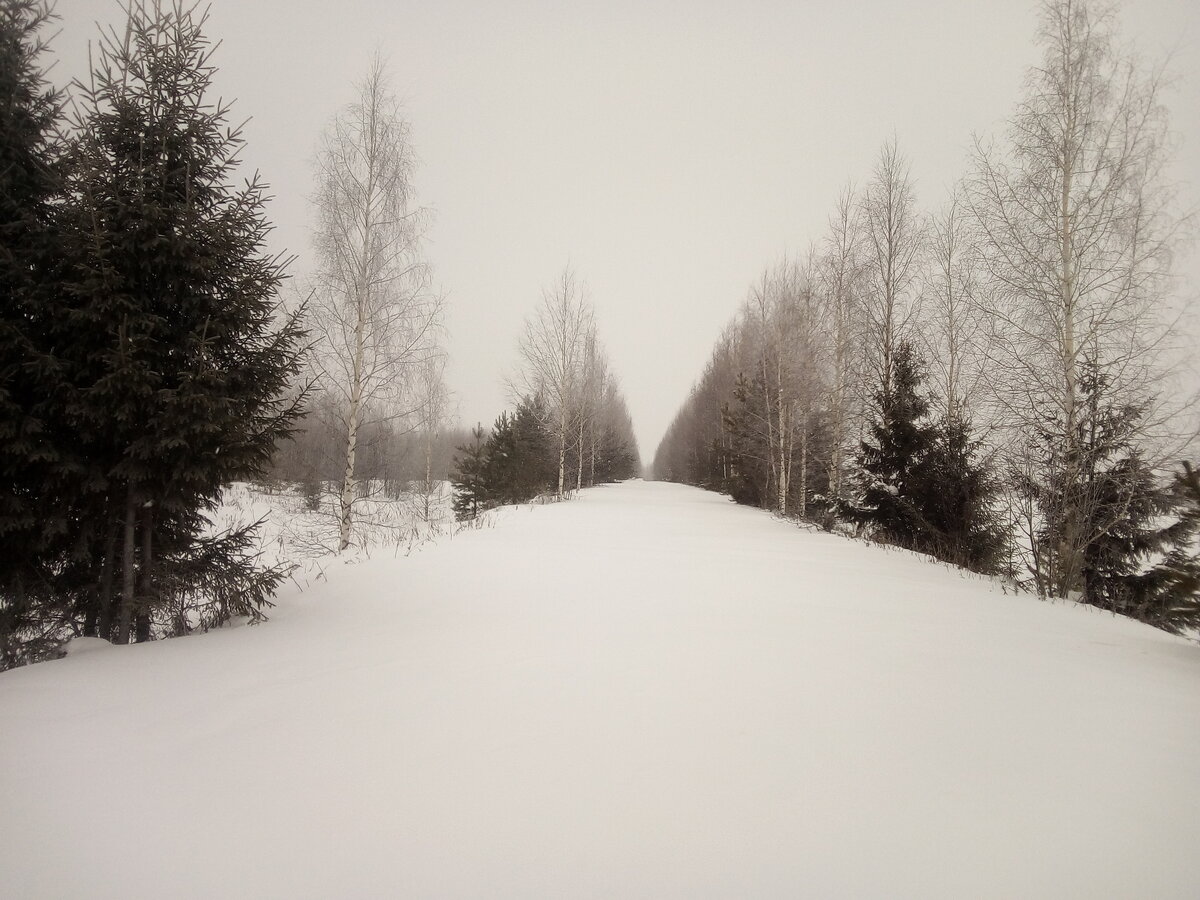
(663, 450)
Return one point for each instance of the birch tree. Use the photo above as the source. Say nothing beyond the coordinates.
(1076, 231)
(840, 272)
(588, 397)
(602, 393)
(810, 370)
(783, 348)
(374, 314)
(892, 238)
(760, 321)
(954, 318)
(553, 350)
(796, 348)
(434, 399)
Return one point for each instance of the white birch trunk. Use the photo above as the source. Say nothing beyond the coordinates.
(579, 470)
(346, 500)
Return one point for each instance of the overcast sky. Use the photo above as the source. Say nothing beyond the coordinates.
(667, 151)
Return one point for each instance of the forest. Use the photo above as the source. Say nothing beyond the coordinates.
(154, 351)
(330, 561)
(1002, 382)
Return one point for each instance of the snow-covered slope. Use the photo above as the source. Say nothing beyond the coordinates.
(648, 692)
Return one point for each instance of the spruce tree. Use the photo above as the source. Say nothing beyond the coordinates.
(35, 512)
(469, 478)
(1101, 507)
(180, 363)
(953, 495)
(502, 465)
(536, 466)
(892, 465)
(616, 459)
(520, 464)
(1124, 507)
(748, 480)
(1167, 595)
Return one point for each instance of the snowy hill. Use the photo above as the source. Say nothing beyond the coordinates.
(648, 692)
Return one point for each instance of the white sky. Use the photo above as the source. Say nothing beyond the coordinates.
(668, 151)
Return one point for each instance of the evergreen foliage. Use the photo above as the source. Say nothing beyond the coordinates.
(1057, 354)
(519, 461)
(1136, 535)
(184, 381)
(1095, 498)
(747, 479)
(469, 479)
(1125, 507)
(955, 495)
(1132, 563)
(1168, 594)
(171, 367)
(921, 486)
(893, 465)
(35, 512)
(616, 458)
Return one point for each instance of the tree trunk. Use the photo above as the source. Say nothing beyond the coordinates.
(772, 474)
(428, 472)
(804, 466)
(784, 433)
(146, 589)
(346, 501)
(128, 568)
(838, 425)
(1071, 543)
(579, 471)
(562, 461)
(106, 601)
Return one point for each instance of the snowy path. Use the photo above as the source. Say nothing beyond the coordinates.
(648, 692)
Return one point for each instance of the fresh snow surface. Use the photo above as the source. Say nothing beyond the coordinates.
(647, 692)
(289, 531)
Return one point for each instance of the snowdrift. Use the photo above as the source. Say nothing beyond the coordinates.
(648, 692)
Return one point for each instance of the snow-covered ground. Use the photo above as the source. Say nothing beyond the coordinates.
(303, 530)
(648, 692)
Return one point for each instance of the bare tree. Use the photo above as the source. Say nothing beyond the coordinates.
(373, 313)
(892, 240)
(602, 392)
(553, 357)
(758, 333)
(434, 399)
(953, 312)
(811, 372)
(782, 327)
(698, 445)
(840, 271)
(587, 406)
(1076, 238)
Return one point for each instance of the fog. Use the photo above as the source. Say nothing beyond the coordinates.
(666, 151)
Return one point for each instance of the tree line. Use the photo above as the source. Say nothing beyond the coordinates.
(149, 351)
(571, 427)
(994, 383)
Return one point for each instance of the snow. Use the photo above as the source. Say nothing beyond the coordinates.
(86, 645)
(646, 692)
(292, 531)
